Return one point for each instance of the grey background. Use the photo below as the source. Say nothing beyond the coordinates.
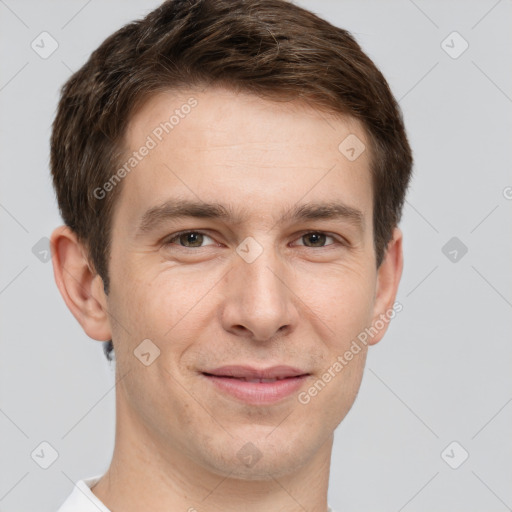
(442, 372)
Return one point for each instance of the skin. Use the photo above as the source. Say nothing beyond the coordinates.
(301, 304)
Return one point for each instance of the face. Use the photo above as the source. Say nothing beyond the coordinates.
(256, 285)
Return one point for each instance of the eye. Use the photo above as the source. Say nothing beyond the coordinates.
(317, 239)
(188, 239)
(195, 239)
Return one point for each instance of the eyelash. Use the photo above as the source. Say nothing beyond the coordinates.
(168, 241)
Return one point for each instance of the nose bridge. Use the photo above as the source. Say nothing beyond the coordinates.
(262, 273)
(258, 298)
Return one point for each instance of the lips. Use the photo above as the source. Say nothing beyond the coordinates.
(258, 387)
(251, 374)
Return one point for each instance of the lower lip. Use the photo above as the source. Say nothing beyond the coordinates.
(258, 392)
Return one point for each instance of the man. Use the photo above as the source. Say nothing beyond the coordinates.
(231, 175)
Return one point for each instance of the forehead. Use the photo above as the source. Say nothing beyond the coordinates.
(224, 147)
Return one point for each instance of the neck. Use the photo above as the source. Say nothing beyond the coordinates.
(147, 474)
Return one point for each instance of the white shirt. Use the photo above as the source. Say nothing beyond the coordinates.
(82, 498)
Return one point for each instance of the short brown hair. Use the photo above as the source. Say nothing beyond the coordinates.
(271, 48)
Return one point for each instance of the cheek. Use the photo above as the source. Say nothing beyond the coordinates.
(136, 295)
(142, 308)
(163, 307)
(342, 299)
(340, 306)
(332, 393)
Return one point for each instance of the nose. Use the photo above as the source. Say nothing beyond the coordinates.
(260, 303)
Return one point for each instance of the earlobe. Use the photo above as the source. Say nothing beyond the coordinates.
(388, 279)
(80, 287)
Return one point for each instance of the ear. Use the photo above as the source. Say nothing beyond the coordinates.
(388, 279)
(80, 287)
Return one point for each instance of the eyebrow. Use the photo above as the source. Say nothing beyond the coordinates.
(182, 208)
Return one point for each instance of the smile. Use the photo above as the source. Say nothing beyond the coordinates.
(256, 391)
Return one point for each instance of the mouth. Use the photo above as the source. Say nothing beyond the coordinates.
(271, 373)
(246, 379)
(256, 387)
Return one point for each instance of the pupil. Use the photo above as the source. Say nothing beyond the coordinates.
(191, 238)
(317, 236)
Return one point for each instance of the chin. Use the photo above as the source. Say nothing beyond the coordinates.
(266, 469)
(259, 458)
